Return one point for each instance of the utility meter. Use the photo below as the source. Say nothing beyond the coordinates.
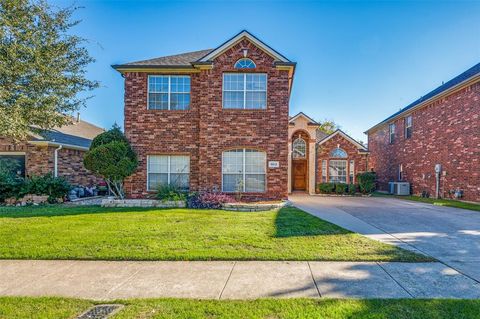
(438, 168)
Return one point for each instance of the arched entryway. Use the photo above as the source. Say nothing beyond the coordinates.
(300, 163)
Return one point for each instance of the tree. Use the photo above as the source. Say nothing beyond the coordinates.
(328, 126)
(42, 67)
(111, 157)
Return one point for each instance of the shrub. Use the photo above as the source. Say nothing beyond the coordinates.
(10, 186)
(111, 157)
(326, 188)
(170, 193)
(54, 187)
(208, 200)
(352, 189)
(366, 182)
(340, 188)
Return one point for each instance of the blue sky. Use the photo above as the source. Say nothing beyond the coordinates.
(357, 62)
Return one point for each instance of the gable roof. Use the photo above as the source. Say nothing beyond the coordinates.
(344, 135)
(301, 114)
(444, 88)
(238, 37)
(189, 60)
(77, 135)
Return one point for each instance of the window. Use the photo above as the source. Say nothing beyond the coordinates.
(244, 90)
(168, 92)
(168, 170)
(243, 170)
(324, 171)
(408, 126)
(352, 171)
(245, 64)
(338, 153)
(337, 171)
(391, 132)
(299, 148)
(12, 163)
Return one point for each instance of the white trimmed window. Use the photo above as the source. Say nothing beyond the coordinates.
(244, 91)
(168, 92)
(338, 153)
(352, 171)
(324, 171)
(391, 132)
(299, 148)
(337, 171)
(243, 170)
(408, 126)
(168, 170)
(245, 63)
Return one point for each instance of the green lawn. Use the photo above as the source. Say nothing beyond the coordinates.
(58, 308)
(439, 202)
(60, 232)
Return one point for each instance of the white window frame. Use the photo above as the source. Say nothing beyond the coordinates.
(391, 133)
(351, 171)
(169, 172)
(169, 92)
(408, 126)
(299, 139)
(244, 91)
(324, 171)
(242, 68)
(244, 150)
(346, 170)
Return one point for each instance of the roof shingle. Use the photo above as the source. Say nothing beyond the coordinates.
(184, 59)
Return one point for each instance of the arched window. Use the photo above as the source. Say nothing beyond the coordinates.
(299, 148)
(245, 63)
(338, 153)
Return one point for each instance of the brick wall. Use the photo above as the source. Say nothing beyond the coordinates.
(206, 129)
(446, 132)
(323, 153)
(39, 160)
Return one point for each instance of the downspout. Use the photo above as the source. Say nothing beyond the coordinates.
(55, 169)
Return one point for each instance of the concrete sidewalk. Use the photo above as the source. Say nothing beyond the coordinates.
(103, 280)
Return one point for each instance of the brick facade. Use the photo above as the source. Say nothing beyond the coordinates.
(446, 132)
(39, 160)
(323, 153)
(206, 130)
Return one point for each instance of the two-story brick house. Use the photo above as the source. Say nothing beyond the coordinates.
(442, 127)
(214, 119)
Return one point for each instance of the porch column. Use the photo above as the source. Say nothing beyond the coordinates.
(311, 167)
(289, 184)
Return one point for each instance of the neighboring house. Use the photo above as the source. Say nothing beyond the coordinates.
(317, 157)
(58, 151)
(211, 120)
(442, 127)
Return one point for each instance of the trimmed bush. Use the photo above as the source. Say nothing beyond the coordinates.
(352, 189)
(208, 200)
(170, 193)
(340, 188)
(366, 182)
(10, 186)
(54, 187)
(326, 188)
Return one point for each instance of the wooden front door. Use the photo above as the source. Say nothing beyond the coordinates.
(299, 175)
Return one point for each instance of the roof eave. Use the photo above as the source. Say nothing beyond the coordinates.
(50, 143)
(447, 92)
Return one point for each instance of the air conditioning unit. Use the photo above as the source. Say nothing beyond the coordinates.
(399, 188)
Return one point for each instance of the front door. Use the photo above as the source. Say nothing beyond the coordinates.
(299, 175)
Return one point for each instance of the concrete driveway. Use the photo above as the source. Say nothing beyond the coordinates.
(450, 235)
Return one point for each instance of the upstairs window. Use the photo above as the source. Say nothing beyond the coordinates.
(299, 148)
(244, 90)
(245, 64)
(168, 92)
(338, 153)
(391, 133)
(408, 126)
